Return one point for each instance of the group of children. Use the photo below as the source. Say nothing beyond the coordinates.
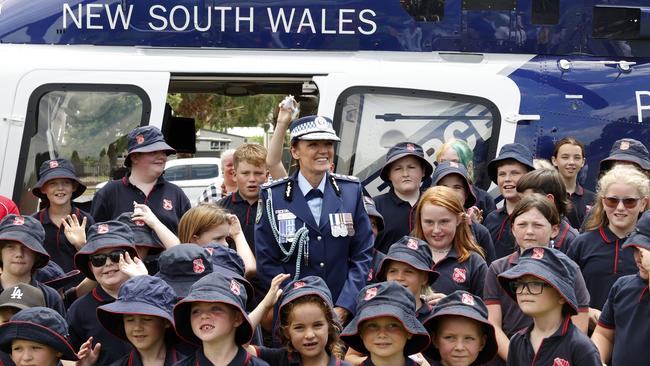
(454, 280)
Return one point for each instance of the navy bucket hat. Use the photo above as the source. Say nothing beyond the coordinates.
(392, 300)
(629, 150)
(229, 263)
(41, 325)
(104, 235)
(313, 128)
(514, 151)
(146, 139)
(309, 285)
(22, 296)
(451, 167)
(462, 303)
(54, 276)
(401, 150)
(549, 265)
(412, 251)
(371, 210)
(640, 237)
(57, 169)
(143, 236)
(213, 288)
(140, 295)
(29, 232)
(182, 265)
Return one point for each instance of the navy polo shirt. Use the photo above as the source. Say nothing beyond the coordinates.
(133, 358)
(399, 219)
(245, 212)
(56, 244)
(407, 362)
(83, 323)
(512, 318)
(242, 358)
(467, 276)
(484, 201)
(484, 240)
(52, 298)
(627, 311)
(602, 261)
(567, 346)
(166, 201)
(565, 237)
(581, 202)
(282, 357)
(498, 223)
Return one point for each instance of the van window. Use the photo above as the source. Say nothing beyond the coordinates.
(205, 171)
(374, 119)
(84, 124)
(177, 173)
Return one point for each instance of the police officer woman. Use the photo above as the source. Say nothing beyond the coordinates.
(314, 222)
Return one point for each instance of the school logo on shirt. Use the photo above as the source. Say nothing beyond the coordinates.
(54, 164)
(198, 266)
(412, 244)
(370, 293)
(560, 362)
(235, 288)
(538, 253)
(19, 220)
(102, 229)
(139, 139)
(460, 275)
(167, 204)
(467, 299)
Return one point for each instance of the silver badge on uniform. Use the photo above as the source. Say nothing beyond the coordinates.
(286, 225)
(341, 224)
(258, 214)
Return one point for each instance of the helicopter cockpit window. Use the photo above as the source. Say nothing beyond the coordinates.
(424, 10)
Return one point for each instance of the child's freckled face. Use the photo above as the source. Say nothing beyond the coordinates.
(459, 340)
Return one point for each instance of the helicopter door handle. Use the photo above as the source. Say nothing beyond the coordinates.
(516, 117)
(566, 65)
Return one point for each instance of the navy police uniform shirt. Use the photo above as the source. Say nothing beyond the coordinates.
(568, 346)
(581, 202)
(83, 323)
(339, 246)
(133, 358)
(513, 319)
(498, 223)
(56, 244)
(245, 212)
(627, 311)
(166, 201)
(52, 298)
(399, 219)
(602, 261)
(467, 276)
(242, 358)
(282, 357)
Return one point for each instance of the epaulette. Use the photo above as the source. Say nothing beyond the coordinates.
(274, 183)
(349, 178)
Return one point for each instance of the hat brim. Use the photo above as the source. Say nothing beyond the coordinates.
(156, 146)
(419, 336)
(385, 170)
(36, 333)
(250, 290)
(243, 334)
(471, 199)
(65, 280)
(41, 254)
(637, 240)
(644, 164)
(490, 349)
(492, 165)
(403, 258)
(36, 190)
(326, 136)
(82, 258)
(111, 316)
(533, 269)
(180, 284)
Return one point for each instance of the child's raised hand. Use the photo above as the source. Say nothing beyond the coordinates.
(132, 267)
(645, 258)
(274, 291)
(73, 231)
(434, 298)
(287, 108)
(88, 354)
(143, 213)
(235, 226)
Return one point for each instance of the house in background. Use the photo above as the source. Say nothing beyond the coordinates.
(212, 143)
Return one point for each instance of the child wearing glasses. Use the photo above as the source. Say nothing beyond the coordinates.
(534, 221)
(622, 197)
(542, 283)
(98, 260)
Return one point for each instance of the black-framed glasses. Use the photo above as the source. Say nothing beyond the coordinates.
(533, 287)
(628, 202)
(98, 260)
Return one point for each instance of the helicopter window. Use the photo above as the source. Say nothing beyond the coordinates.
(424, 10)
(545, 12)
(616, 23)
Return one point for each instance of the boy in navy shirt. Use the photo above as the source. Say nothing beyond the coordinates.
(622, 334)
(543, 285)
